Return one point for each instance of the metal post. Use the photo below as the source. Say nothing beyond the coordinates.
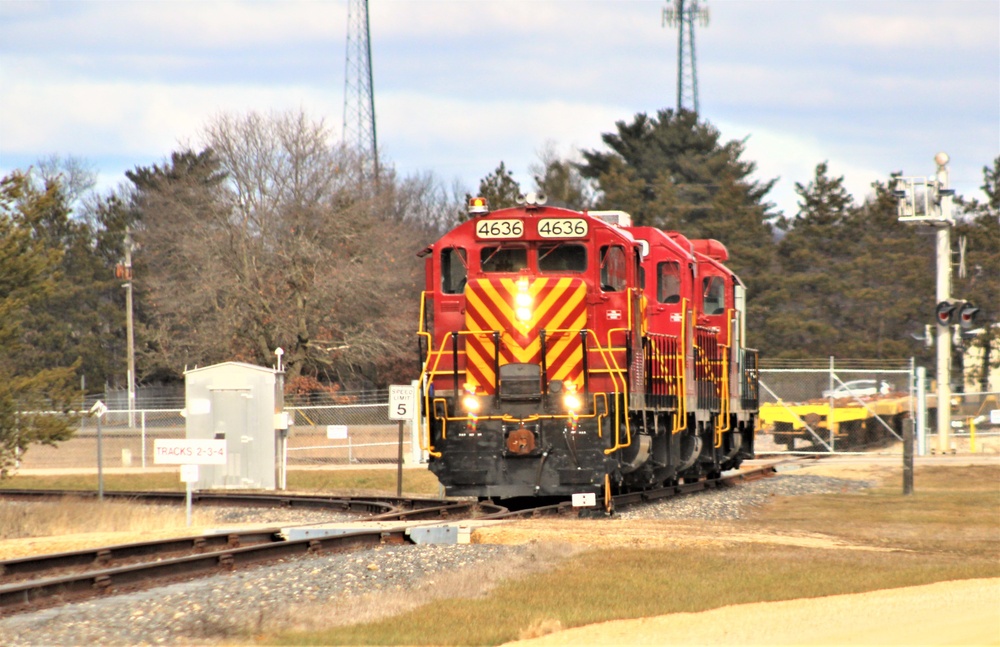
(921, 411)
(100, 463)
(399, 466)
(129, 328)
(830, 405)
(943, 294)
(907, 456)
(187, 502)
(281, 437)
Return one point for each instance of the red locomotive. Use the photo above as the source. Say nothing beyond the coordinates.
(569, 353)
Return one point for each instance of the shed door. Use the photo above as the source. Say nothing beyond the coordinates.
(231, 422)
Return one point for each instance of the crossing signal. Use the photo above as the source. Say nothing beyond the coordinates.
(945, 313)
(956, 312)
(967, 314)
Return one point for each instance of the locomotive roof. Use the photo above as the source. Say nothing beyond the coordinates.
(462, 230)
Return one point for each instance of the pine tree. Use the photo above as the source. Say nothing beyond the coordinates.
(672, 172)
(981, 284)
(499, 188)
(808, 295)
(28, 275)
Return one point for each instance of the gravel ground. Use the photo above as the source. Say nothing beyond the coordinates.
(232, 605)
(734, 502)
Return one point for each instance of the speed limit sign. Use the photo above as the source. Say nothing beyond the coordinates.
(401, 402)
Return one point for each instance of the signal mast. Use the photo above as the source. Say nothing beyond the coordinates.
(928, 201)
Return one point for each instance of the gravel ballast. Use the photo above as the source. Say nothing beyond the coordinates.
(234, 605)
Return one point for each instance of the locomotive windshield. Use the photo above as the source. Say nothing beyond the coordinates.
(562, 258)
(503, 259)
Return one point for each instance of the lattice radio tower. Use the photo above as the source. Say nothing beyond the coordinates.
(359, 98)
(682, 14)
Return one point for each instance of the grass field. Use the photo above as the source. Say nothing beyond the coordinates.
(417, 482)
(949, 529)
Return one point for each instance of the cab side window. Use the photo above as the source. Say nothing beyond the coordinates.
(454, 270)
(613, 268)
(714, 299)
(668, 282)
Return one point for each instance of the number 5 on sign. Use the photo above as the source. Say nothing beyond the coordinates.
(400, 402)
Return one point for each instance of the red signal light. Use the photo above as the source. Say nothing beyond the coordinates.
(967, 315)
(944, 312)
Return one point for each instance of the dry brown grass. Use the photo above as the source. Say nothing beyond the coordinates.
(541, 628)
(70, 516)
(475, 582)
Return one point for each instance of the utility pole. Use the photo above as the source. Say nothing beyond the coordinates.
(927, 201)
(359, 99)
(683, 13)
(123, 271)
(129, 328)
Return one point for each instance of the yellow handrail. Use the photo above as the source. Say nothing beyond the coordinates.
(724, 386)
(680, 420)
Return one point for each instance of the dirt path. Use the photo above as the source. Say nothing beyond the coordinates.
(965, 612)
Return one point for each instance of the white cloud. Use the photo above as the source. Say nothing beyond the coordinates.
(144, 27)
(468, 137)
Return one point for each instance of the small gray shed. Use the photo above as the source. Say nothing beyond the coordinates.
(235, 402)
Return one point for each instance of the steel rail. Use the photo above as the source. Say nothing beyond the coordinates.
(375, 504)
(226, 551)
(39, 566)
(37, 594)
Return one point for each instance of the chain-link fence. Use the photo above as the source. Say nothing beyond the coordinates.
(831, 406)
(327, 435)
(841, 406)
(975, 423)
(342, 435)
(126, 440)
(805, 406)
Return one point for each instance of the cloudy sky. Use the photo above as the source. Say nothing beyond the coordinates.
(871, 86)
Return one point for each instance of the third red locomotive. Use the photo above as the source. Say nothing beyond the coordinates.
(570, 353)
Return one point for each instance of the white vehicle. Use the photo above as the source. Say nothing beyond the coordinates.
(857, 389)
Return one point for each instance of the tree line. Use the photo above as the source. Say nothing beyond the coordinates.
(271, 235)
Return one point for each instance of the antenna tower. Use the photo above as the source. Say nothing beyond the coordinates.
(359, 98)
(683, 13)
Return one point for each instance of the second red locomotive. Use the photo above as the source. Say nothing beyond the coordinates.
(569, 353)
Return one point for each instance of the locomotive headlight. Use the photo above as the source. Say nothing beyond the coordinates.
(571, 398)
(469, 400)
(523, 301)
(470, 403)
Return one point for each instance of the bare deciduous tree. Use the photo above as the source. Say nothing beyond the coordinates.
(267, 239)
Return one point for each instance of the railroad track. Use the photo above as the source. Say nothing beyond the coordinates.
(49, 580)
